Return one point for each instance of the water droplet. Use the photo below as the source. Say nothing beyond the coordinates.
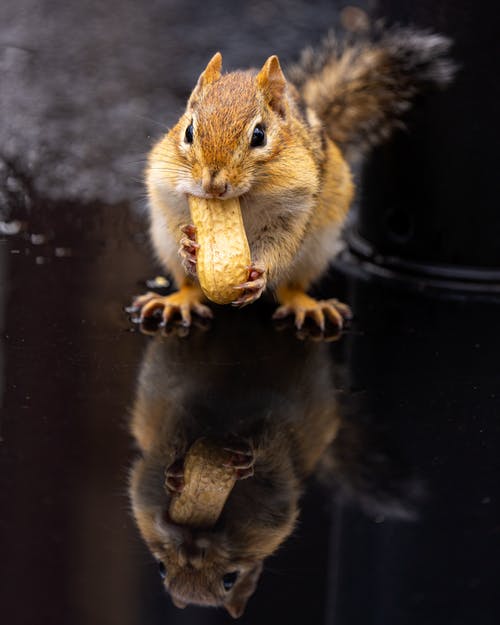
(10, 227)
(62, 252)
(38, 239)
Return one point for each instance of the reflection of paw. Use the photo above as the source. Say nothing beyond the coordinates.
(253, 288)
(309, 332)
(241, 457)
(187, 250)
(302, 306)
(174, 476)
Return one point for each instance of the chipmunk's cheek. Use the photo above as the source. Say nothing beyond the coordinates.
(196, 171)
(239, 185)
(158, 180)
(232, 191)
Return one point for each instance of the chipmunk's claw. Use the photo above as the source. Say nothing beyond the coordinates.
(253, 288)
(241, 457)
(189, 230)
(187, 249)
(302, 306)
(174, 476)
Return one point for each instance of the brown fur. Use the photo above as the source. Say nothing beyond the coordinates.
(289, 424)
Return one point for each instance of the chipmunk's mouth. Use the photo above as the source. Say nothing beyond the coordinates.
(218, 191)
(228, 193)
(176, 532)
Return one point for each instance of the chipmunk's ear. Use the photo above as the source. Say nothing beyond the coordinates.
(272, 82)
(212, 71)
(236, 604)
(210, 74)
(178, 603)
(236, 608)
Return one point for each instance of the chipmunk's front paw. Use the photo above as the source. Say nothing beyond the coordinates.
(253, 288)
(241, 457)
(187, 250)
(174, 476)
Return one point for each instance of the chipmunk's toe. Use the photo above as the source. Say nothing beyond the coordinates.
(188, 249)
(241, 457)
(170, 307)
(174, 476)
(302, 306)
(253, 288)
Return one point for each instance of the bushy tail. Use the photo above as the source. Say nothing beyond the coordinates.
(360, 89)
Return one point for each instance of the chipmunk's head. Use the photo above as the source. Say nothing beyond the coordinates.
(233, 125)
(204, 568)
(217, 567)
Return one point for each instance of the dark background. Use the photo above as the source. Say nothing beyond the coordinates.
(430, 194)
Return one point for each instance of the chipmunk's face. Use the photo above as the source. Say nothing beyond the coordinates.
(207, 568)
(203, 568)
(232, 127)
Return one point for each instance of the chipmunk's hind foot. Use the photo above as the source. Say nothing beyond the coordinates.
(187, 300)
(302, 306)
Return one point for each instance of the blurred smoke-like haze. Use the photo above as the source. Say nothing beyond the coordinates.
(86, 87)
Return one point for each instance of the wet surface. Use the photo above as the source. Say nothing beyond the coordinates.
(403, 523)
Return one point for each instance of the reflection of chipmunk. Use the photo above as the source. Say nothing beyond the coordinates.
(204, 387)
(280, 146)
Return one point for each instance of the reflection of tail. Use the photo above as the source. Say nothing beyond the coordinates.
(372, 475)
(360, 89)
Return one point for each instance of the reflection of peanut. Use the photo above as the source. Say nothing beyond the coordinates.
(207, 485)
(223, 258)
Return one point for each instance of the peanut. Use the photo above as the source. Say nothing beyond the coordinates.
(223, 258)
(207, 485)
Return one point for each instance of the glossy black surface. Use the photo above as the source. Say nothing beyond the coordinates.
(404, 530)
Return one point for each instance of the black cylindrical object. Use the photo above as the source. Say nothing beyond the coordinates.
(428, 201)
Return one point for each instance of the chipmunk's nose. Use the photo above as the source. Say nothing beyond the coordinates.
(214, 182)
(191, 554)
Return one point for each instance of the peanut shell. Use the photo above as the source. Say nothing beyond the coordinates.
(207, 485)
(223, 258)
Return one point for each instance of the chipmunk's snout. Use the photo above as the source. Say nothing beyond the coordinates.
(191, 553)
(214, 182)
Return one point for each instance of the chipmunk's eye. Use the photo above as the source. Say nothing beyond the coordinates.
(229, 580)
(258, 137)
(162, 570)
(188, 137)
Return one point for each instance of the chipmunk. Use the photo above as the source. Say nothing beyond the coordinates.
(283, 148)
(200, 388)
